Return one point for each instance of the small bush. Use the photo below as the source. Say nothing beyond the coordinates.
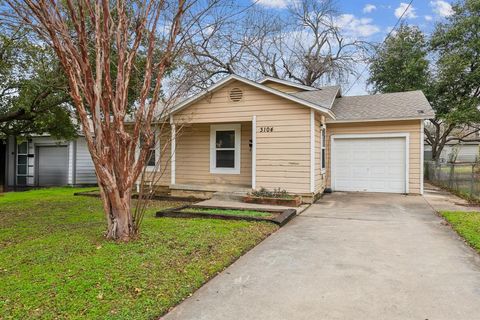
(276, 193)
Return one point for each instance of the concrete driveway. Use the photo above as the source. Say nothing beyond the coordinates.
(350, 256)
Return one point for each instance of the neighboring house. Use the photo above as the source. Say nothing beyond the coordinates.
(241, 135)
(457, 152)
(42, 161)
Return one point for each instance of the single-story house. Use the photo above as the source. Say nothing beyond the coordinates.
(42, 161)
(241, 135)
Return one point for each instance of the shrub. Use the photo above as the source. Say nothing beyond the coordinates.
(276, 193)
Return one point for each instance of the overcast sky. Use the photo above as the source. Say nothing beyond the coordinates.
(372, 20)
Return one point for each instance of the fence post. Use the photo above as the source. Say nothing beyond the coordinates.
(472, 182)
(451, 177)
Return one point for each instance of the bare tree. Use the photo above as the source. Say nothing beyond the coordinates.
(439, 133)
(219, 47)
(304, 44)
(316, 49)
(84, 34)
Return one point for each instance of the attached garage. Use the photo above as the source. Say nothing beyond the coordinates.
(52, 166)
(375, 156)
(370, 162)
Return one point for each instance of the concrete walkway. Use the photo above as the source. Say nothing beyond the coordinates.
(237, 204)
(350, 256)
(442, 200)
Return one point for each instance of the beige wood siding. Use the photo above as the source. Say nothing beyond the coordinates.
(193, 157)
(282, 87)
(283, 156)
(412, 127)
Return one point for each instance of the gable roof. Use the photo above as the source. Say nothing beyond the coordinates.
(287, 83)
(317, 106)
(379, 107)
(388, 106)
(324, 96)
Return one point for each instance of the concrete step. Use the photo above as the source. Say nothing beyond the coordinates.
(229, 195)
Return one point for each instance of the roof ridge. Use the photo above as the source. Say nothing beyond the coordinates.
(286, 82)
(381, 94)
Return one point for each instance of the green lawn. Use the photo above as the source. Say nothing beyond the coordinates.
(232, 212)
(467, 224)
(55, 264)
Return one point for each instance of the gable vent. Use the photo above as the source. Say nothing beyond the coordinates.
(236, 94)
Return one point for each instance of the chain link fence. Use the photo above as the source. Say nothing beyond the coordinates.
(463, 178)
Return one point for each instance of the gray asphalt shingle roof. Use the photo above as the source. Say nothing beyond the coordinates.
(401, 105)
(323, 97)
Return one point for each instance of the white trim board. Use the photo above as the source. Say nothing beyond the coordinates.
(237, 128)
(422, 154)
(254, 152)
(312, 150)
(173, 146)
(405, 135)
(323, 146)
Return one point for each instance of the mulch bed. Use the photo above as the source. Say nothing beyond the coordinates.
(167, 197)
(287, 202)
(279, 217)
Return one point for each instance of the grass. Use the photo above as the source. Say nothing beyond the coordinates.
(232, 212)
(459, 169)
(467, 224)
(55, 263)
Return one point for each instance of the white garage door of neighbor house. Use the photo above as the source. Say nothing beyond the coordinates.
(369, 164)
(52, 166)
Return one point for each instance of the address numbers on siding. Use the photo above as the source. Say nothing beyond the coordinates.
(266, 129)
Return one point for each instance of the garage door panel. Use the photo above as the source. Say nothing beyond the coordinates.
(359, 156)
(370, 164)
(378, 156)
(378, 172)
(52, 166)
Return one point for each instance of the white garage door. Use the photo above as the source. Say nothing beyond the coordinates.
(369, 164)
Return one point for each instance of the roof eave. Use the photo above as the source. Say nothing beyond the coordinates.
(379, 119)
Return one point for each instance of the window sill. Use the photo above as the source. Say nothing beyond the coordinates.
(224, 171)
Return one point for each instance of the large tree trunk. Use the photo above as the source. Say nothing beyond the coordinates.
(118, 212)
(89, 37)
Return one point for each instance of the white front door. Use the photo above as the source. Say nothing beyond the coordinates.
(376, 164)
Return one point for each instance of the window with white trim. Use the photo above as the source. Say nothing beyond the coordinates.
(323, 147)
(153, 155)
(22, 163)
(225, 148)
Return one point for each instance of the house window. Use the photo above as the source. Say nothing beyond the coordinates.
(225, 149)
(22, 163)
(153, 155)
(323, 146)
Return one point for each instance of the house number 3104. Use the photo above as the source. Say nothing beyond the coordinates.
(266, 129)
